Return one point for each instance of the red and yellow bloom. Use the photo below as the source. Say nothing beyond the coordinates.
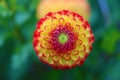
(63, 39)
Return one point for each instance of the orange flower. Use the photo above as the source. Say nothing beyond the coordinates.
(63, 39)
(79, 6)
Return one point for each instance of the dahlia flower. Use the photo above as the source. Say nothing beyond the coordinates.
(63, 39)
(81, 7)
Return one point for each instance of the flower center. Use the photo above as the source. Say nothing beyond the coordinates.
(63, 38)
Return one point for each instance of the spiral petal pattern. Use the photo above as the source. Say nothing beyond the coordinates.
(63, 39)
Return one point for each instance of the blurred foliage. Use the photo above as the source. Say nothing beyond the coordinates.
(18, 60)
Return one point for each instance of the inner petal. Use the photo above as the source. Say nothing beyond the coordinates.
(62, 39)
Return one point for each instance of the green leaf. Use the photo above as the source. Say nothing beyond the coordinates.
(110, 39)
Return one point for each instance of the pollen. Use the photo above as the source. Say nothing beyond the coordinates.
(63, 38)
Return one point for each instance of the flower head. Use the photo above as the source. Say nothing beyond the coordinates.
(63, 39)
(81, 7)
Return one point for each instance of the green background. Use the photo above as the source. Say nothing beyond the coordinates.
(18, 60)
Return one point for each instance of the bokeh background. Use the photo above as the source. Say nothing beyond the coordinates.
(18, 60)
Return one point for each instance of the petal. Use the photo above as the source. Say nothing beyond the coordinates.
(56, 59)
(74, 57)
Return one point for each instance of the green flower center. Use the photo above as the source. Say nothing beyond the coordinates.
(63, 38)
